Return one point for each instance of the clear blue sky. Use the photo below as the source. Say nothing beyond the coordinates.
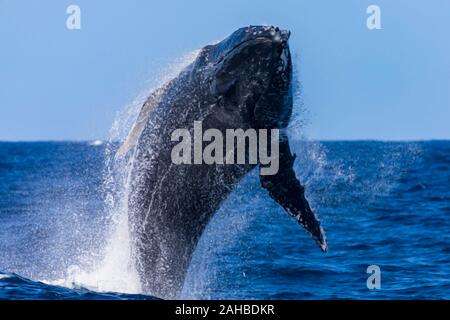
(57, 84)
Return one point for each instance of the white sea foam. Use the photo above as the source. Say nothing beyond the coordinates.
(4, 276)
(96, 143)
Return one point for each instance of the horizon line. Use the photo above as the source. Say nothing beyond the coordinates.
(304, 139)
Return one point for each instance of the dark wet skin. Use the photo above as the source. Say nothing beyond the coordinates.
(242, 82)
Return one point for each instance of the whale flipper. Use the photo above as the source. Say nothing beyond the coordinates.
(139, 125)
(286, 189)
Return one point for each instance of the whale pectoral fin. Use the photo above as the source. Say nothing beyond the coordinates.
(285, 188)
(139, 125)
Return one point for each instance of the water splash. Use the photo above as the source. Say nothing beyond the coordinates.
(113, 269)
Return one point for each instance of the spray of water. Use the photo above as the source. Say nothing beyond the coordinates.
(113, 269)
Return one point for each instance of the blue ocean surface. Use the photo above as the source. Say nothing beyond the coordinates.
(63, 227)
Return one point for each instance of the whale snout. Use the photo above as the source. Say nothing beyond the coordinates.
(274, 35)
(279, 35)
(252, 69)
(246, 39)
(270, 32)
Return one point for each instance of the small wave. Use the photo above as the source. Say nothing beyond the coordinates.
(417, 188)
(439, 198)
(4, 276)
(16, 287)
(96, 143)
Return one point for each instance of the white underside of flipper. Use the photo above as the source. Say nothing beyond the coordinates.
(139, 125)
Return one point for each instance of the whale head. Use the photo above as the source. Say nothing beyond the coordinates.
(250, 72)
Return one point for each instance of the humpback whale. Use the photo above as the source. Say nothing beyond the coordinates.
(241, 82)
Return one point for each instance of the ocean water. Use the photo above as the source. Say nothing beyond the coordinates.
(63, 226)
